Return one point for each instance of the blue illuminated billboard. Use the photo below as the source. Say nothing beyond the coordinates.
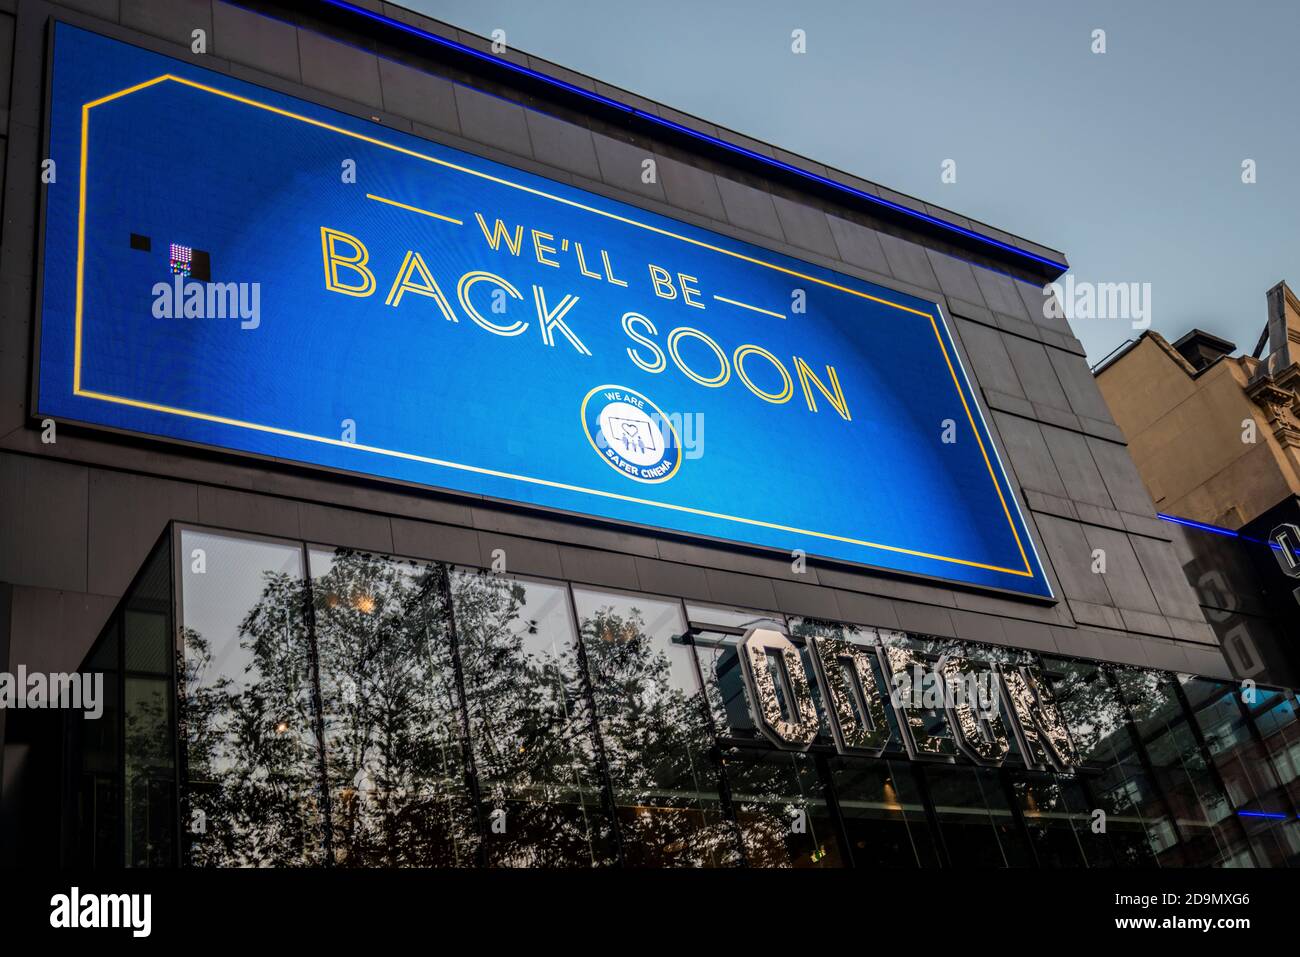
(241, 269)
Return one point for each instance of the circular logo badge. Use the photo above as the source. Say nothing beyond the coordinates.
(631, 434)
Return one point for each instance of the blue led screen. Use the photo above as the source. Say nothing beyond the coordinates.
(241, 269)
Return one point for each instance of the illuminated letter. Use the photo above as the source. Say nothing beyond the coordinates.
(427, 286)
(582, 263)
(684, 281)
(795, 726)
(924, 734)
(663, 282)
(609, 270)
(834, 395)
(857, 708)
(554, 319)
(357, 263)
(1286, 538)
(976, 725)
(499, 233)
(540, 247)
(1040, 726)
(661, 361)
(462, 293)
(787, 389)
(724, 372)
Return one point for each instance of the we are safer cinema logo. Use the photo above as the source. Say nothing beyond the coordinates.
(631, 434)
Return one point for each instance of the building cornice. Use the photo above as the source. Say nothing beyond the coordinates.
(1279, 398)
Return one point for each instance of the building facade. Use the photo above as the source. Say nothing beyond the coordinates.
(1216, 437)
(307, 660)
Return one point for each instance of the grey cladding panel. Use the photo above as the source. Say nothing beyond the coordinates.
(242, 36)
(908, 261)
(492, 120)
(988, 355)
(622, 165)
(858, 245)
(1030, 457)
(750, 208)
(419, 96)
(340, 69)
(1075, 465)
(956, 278)
(805, 226)
(1035, 371)
(563, 145)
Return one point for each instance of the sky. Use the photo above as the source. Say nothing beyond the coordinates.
(1128, 161)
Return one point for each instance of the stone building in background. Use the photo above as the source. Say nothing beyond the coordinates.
(1216, 438)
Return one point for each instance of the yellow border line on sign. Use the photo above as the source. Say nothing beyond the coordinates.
(415, 209)
(221, 420)
(745, 305)
(414, 457)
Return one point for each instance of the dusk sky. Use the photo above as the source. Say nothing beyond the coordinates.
(1128, 161)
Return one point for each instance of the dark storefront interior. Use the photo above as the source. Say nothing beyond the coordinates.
(333, 706)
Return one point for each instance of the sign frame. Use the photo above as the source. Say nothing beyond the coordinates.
(312, 97)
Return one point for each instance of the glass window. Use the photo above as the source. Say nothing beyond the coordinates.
(150, 773)
(780, 798)
(781, 802)
(364, 710)
(879, 800)
(884, 816)
(1249, 774)
(1243, 764)
(535, 742)
(1138, 829)
(398, 781)
(654, 730)
(253, 760)
(1204, 816)
(1274, 714)
(95, 752)
(1057, 819)
(975, 820)
(741, 618)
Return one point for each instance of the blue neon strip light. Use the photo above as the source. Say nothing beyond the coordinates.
(1192, 523)
(1215, 529)
(1265, 814)
(694, 134)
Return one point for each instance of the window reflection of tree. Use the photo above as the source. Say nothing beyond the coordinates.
(391, 714)
(779, 797)
(149, 788)
(656, 742)
(1138, 828)
(396, 766)
(250, 745)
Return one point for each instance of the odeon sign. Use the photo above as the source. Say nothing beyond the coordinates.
(856, 705)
